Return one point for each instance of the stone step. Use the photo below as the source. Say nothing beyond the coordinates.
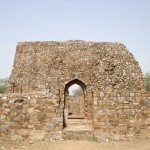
(78, 122)
(78, 134)
(79, 127)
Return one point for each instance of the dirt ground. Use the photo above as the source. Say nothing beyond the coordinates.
(76, 145)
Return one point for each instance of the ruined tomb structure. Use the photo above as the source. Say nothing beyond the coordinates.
(114, 104)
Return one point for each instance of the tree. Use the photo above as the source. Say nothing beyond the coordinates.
(3, 83)
(78, 91)
(147, 80)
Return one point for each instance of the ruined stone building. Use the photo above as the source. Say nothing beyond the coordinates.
(114, 103)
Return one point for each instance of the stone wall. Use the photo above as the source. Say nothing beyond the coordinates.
(115, 99)
(121, 115)
(48, 65)
(38, 116)
(35, 116)
(76, 105)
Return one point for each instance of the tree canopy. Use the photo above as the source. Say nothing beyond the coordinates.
(77, 92)
(3, 83)
(147, 80)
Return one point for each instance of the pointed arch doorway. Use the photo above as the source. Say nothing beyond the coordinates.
(76, 111)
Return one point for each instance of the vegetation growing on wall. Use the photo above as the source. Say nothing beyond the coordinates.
(3, 83)
(147, 80)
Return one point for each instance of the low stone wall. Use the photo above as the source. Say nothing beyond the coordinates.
(121, 115)
(39, 115)
(76, 105)
(34, 116)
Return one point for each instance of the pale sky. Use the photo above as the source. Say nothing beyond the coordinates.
(74, 87)
(125, 21)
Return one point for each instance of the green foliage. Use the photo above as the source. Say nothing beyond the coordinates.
(3, 83)
(78, 91)
(147, 80)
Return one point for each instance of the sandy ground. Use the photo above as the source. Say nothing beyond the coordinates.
(76, 145)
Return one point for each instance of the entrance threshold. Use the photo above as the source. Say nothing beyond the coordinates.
(75, 117)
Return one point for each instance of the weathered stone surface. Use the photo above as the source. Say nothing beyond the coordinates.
(49, 126)
(147, 111)
(15, 126)
(38, 126)
(36, 135)
(24, 133)
(114, 104)
(58, 135)
(40, 64)
(78, 134)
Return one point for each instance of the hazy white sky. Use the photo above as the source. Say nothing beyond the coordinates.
(125, 21)
(74, 87)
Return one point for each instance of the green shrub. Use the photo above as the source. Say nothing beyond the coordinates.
(3, 83)
(147, 80)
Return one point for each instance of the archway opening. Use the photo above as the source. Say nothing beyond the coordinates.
(75, 99)
(76, 106)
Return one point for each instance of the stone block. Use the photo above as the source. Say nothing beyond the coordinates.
(132, 94)
(50, 109)
(36, 135)
(30, 126)
(25, 125)
(13, 114)
(96, 93)
(101, 94)
(101, 135)
(38, 126)
(12, 106)
(57, 135)
(15, 126)
(147, 111)
(49, 127)
(113, 94)
(125, 94)
(5, 127)
(33, 101)
(24, 133)
(1, 110)
(30, 110)
(33, 118)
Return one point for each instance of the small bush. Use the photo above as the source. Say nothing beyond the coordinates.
(3, 83)
(147, 80)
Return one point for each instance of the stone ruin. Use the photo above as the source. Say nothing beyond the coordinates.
(37, 106)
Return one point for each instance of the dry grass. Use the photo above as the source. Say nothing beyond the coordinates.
(76, 145)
